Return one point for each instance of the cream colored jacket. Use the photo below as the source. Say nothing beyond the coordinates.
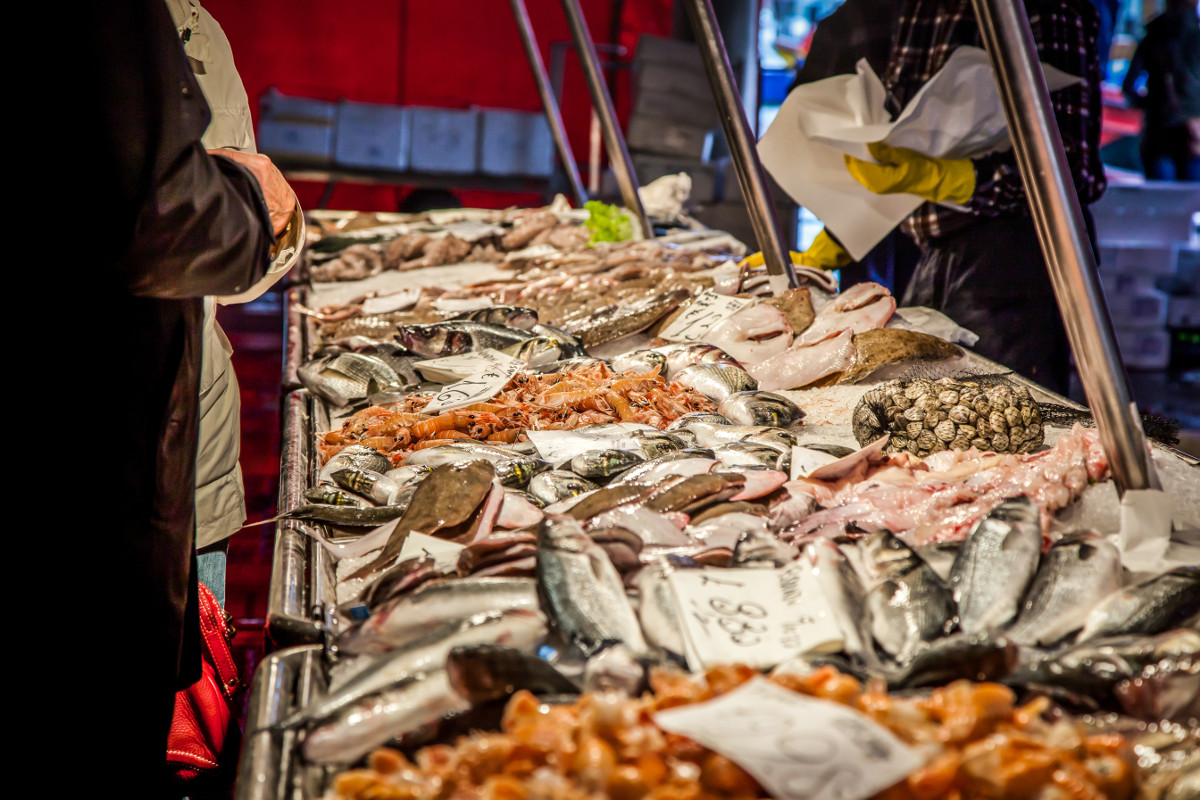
(220, 498)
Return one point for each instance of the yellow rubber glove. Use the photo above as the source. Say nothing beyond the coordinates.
(904, 171)
(824, 253)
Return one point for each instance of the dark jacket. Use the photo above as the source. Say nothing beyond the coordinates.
(164, 225)
(1169, 57)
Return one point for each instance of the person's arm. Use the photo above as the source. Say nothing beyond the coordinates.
(1066, 41)
(1137, 67)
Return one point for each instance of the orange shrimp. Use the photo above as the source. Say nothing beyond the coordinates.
(383, 444)
(432, 443)
(451, 419)
(493, 408)
(620, 405)
(450, 434)
(509, 436)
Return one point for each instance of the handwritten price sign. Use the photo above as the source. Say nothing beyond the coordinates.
(708, 310)
(753, 616)
(489, 375)
(796, 746)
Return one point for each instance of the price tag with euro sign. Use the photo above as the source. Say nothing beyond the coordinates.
(493, 372)
(760, 617)
(708, 310)
(797, 747)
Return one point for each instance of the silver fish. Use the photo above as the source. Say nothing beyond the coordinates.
(377, 719)
(656, 443)
(604, 463)
(367, 483)
(512, 316)
(356, 455)
(453, 453)
(696, 416)
(760, 408)
(995, 565)
(536, 352)
(778, 438)
(716, 381)
(713, 436)
(975, 657)
(520, 628)
(558, 484)
(613, 322)
(683, 355)
(333, 496)
(640, 361)
(1166, 601)
(661, 619)
(846, 596)
(409, 474)
(452, 338)
(760, 549)
(909, 604)
(403, 618)
(582, 593)
(343, 378)
(748, 454)
(659, 466)
(518, 471)
(1076, 573)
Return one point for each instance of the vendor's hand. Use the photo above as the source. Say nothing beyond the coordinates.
(904, 171)
(824, 253)
(281, 201)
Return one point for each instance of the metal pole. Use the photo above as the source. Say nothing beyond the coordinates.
(549, 103)
(741, 141)
(1058, 218)
(618, 153)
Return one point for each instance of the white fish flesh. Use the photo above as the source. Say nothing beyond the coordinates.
(802, 364)
(752, 334)
(863, 307)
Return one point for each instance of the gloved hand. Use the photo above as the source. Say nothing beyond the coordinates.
(824, 253)
(905, 171)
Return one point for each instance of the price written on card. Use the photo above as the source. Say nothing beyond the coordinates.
(490, 374)
(708, 310)
(760, 617)
(796, 746)
(443, 553)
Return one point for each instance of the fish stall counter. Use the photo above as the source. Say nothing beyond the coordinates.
(614, 510)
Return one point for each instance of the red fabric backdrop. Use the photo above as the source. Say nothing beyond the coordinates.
(448, 53)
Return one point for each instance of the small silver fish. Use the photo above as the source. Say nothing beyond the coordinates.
(550, 487)
(604, 463)
(760, 408)
(512, 316)
(716, 381)
(995, 564)
(640, 361)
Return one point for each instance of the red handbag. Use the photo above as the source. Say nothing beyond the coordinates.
(204, 727)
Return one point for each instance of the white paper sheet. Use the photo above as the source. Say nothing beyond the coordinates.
(957, 114)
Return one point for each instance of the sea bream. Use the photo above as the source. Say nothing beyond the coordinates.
(908, 603)
(1165, 601)
(995, 565)
(440, 339)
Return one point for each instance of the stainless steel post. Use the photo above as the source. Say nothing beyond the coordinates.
(1058, 218)
(741, 141)
(549, 103)
(614, 141)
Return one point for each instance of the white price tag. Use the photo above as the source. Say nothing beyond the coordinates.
(797, 747)
(753, 616)
(443, 553)
(559, 447)
(392, 302)
(707, 311)
(494, 372)
(455, 305)
(456, 368)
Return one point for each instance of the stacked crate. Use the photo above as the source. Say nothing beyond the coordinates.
(1149, 270)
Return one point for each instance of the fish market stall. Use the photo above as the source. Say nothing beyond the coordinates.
(568, 513)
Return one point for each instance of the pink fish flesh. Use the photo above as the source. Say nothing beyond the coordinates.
(865, 318)
(801, 365)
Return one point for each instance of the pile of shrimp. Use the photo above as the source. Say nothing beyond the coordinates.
(977, 744)
(589, 395)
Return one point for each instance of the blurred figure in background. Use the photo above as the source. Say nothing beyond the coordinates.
(1169, 60)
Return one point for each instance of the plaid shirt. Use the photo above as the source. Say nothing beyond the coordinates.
(1065, 33)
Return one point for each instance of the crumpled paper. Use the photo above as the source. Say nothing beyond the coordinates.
(956, 114)
(664, 197)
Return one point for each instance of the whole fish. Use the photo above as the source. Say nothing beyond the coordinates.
(640, 361)
(342, 516)
(960, 656)
(538, 352)
(847, 598)
(657, 443)
(606, 498)
(582, 593)
(687, 419)
(558, 484)
(693, 492)
(448, 497)
(716, 381)
(356, 455)
(909, 604)
(333, 496)
(616, 321)
(713, 436)
(658, 611)
(440, 339)
(343, 378)
(400, 579)
(520, 628)
(1166, 601)
(604, 463)
(511, 316)
(1076, 573)
(881, 347)
(748, 454)
(455, 452)
(728, 507)
(409, 474)
(995, 565)
(485, 673)
(518, 471)
(438, 603)
(680, 356)
(377, 719)
(676, 462)
(761, 549)
(367, 483)
(760, 408)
